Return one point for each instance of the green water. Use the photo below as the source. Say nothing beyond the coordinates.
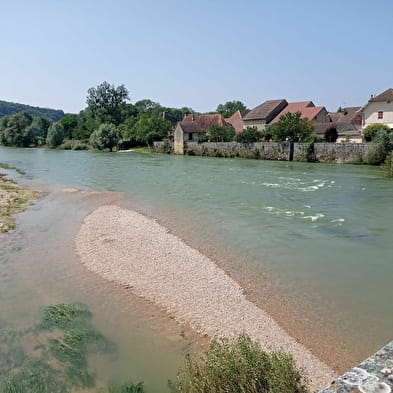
(321, 233)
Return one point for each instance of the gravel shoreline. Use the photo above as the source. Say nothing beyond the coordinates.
(135, 251)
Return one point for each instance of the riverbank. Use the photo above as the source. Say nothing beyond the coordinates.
(136, 252)
(13, 199)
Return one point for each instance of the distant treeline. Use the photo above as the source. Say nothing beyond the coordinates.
(10, 108)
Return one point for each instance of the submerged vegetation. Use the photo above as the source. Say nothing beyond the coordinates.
(59, 364)
(239, 365)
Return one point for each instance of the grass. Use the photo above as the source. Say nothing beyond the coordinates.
(239, 365)
(13, 199)
(6, 166)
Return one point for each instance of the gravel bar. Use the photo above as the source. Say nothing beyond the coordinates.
(135, 251)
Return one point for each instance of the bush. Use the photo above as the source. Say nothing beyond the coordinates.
(291, 127)
(203, 137)
(222, 134)
(249, 135)
(55, 135)
(380, 149)
(388, 165)
(106, 137)
(370, 132)
(240, 366)
(331, 135)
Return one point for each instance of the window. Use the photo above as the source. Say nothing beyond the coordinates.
(190, 136)
(380, 115)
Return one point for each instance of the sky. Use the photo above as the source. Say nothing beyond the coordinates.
(196, 53)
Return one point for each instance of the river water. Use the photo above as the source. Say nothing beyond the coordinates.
(311, 243)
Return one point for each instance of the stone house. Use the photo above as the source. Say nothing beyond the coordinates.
(191, 126)
(379, 109)
(347, 123)
(263, 114)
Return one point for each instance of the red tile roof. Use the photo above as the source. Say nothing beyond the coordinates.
(306, 108)
(387, 95)
(236, 120)
(201, 123)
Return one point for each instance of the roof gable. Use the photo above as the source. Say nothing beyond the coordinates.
(267, 110)
(201, 123)
(387, 95)
(306, 108)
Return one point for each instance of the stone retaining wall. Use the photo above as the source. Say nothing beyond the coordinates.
(374, 375)
(351, 153)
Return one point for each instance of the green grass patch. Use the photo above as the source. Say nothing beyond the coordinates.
(6, 166)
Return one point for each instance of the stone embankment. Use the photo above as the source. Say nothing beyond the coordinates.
(351, 153)
(136, 252)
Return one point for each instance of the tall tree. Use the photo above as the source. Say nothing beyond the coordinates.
(230, 107)
(291, 127)
(15, 130)
(55, 135)
(106, 102)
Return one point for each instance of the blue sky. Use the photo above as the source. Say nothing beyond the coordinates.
(196, 53)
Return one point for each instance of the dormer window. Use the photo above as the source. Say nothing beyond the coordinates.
(380, 115)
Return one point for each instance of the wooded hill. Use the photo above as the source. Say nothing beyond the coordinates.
(10, 108)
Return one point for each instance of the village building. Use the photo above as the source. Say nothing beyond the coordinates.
(307, 109)
(347, 124)
(237, 120)
(379, 109)
(263, 114)
(191, 126)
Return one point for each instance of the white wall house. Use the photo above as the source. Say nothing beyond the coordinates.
(379, 109)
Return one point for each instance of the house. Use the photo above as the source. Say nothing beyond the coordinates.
(317, 114)
(379, 109)
(237, 120)
(347, 123)
(191, 126)
(263, 114)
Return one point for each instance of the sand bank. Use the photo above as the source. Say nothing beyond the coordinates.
(135, 251)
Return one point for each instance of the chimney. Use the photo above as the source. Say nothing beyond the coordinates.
(193, 118)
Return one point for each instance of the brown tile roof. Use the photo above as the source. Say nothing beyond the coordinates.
(387, 95)
(266, 111)
(236, 120)
(201, 123)
(306, 108)
(349, 115)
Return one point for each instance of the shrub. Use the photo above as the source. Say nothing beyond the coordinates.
(370, 132)
(221, 134)
(239, 366)
(331, 135)
(248, 135)
(291, 127)
(388, 165)
(202, 137)
(106, 137)
(55, 135)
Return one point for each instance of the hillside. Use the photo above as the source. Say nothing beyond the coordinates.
(9, 108)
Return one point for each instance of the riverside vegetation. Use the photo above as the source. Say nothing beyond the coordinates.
(65, 338)
(13, 199)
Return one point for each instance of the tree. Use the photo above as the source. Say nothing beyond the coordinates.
(150, 124)
(291, 127)
(148, 106)
(106, 102)
(69, 123)
(230, 107)
(55, 135)
(370, 132)
(331, 134)
(221, 134)
(239, 365)
(106, 137)
(248, 135)
(15, 130)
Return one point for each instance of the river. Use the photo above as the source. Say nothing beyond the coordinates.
(310, 243)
